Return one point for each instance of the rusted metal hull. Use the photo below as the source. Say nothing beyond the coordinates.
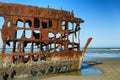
(52, 37)
(40, 67)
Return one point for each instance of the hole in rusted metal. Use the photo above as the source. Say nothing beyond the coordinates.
(50, 24)
(25, 58)
(34, 72)
(9, 47)
(70, 37)
(65, 37)
(5, 76)
(1, 21)
(76, 37)
(35, 57)
(57, 69)
(70, 46)
(16, 59)
(36, 22)
(50, 70)
(63, 23)
(19, 34)
(63, 27)
(63, 47)
(27, 47)
(28, 24)
(16, 46)
(44, 25)
(58, 35)
(1, 25)
(43, 47)
(58, 47)
(35, 47)
(51, 35)
(8, 24)
(51, 47)
(70, 26)
(20, 23)
(13, 74)
(37, 31)
(64, 68)
(36, 34)
(74, 26)
(43, 58)
(28, 33)
(77, 27)
(76, 47)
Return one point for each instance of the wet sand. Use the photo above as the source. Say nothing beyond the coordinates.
(110, 68)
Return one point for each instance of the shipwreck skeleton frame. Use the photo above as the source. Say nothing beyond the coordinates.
(54, 38)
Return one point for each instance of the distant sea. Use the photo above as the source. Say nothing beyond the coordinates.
(9, 50)
(97, 53)
(90, 52)
(103, 50)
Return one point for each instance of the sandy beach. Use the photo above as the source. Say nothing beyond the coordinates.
(109, 66)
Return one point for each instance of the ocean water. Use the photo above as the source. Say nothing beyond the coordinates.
(96, 53)
(103, 50)
(90, 52)
(9, 50)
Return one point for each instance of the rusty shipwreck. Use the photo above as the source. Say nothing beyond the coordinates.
(53, 44)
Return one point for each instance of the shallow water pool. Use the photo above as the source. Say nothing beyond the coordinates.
(86, 70)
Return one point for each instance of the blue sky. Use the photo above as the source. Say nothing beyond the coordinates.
(102, 18)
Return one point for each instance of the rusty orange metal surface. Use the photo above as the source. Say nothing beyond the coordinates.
(45, 20)
(54, 35)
